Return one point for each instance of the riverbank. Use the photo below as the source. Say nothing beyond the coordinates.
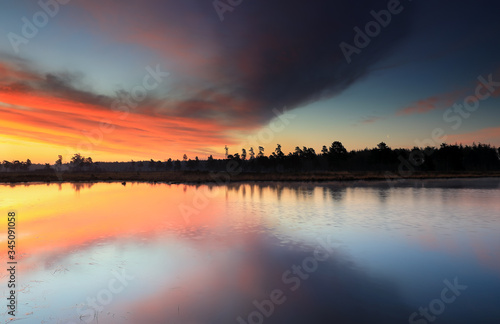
(224, 177)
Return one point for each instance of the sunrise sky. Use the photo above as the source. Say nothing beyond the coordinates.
(122, 80)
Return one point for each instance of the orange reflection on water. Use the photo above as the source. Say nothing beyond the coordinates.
(53, 219)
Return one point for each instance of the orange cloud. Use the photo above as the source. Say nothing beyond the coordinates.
(35, 112)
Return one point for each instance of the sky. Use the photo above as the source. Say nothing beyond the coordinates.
(139, 80)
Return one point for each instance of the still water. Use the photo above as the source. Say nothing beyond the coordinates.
(422, 252)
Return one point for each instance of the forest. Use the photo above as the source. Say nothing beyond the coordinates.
(446, 158)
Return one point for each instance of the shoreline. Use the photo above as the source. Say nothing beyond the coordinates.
(199, 177)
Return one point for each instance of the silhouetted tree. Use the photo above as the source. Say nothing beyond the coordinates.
(382, 146)
(261, 152)
(278, 153)
(77, 159)
(252, 153)
(337, 149)
(337, 155)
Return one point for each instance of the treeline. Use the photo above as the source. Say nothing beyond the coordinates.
(446, 158)
(77, 162)
(478, 157)
(16, 165)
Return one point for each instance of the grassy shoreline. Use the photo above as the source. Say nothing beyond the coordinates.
(207, 177)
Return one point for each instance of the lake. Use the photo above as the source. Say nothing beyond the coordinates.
(358, 252)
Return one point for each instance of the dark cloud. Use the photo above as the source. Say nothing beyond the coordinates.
(23, 78)
(285, 52)
(295, 47)
(67, 85)
(17, 87)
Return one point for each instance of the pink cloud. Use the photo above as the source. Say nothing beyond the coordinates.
(440, 101)
(489, 135)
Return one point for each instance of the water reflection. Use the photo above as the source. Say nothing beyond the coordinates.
(207, 254)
